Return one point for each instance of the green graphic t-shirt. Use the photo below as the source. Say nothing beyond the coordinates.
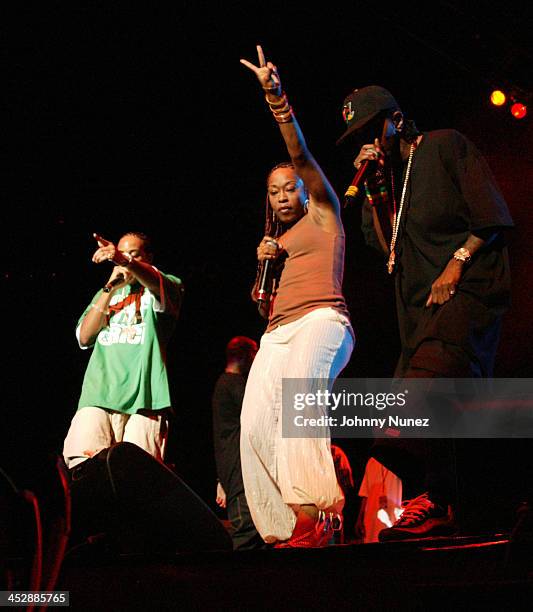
(127, 371)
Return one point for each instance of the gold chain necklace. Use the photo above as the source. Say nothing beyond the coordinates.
(397, 217)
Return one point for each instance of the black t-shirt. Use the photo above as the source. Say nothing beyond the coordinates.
(451, 193)
(227, 403)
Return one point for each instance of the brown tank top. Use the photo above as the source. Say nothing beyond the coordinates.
(312, 273)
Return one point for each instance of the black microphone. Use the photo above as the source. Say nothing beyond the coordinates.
(113, 283)
(264, 279)
(353, 189)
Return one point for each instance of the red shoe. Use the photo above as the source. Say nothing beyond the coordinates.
(318, 536)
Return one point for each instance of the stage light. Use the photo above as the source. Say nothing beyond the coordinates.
(498, 98)
(518, 110)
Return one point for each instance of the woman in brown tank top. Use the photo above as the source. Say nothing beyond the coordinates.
(290, 482)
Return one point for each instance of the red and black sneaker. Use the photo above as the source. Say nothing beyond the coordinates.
(421, 518)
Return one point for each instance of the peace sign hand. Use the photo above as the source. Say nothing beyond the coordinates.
(266, 73)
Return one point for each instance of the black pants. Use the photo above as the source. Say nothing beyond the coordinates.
(427, 464)
(243, 532)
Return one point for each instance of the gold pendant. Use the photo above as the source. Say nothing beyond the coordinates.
(390, 263)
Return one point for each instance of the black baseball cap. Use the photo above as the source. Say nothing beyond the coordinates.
(363, 105)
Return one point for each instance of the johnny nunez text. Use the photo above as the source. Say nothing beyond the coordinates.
(345, 421)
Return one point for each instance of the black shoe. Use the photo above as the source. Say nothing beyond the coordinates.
(421, 518)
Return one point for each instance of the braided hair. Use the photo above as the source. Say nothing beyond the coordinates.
(273, 228)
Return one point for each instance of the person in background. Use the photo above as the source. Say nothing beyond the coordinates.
(381, 502)
(227, 399)
(343, 532)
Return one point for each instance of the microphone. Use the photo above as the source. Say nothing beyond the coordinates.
(263, 282)
(113, 283)
(264, 279)
(353, 189)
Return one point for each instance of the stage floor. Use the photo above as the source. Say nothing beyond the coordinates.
(465, 572)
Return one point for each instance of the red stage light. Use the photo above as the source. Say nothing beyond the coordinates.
(518, 110)
(497, 97)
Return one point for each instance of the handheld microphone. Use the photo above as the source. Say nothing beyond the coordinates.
(264, 279)
(113, 283)
(353, 189)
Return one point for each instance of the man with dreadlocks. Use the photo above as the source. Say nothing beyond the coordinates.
(125, 393)
(290, 483)
(433, 207)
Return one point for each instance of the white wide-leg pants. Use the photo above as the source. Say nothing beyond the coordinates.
(279, 473)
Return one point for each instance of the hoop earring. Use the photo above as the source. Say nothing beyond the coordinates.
(306, 204)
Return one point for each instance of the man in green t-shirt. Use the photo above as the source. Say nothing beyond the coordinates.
(125, 395)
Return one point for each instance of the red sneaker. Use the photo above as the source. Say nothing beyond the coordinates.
(318, 536)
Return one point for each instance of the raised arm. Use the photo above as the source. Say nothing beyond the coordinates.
(324, 206)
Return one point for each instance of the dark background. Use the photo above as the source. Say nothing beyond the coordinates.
(124, 116)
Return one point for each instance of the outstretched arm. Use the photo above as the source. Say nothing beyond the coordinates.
(141, 271)
(126, 267)
(324, 205)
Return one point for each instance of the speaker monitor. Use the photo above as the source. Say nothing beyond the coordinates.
(141, 505)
